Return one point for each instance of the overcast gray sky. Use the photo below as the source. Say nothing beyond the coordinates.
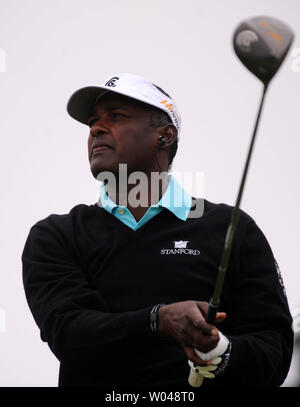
(51, 48)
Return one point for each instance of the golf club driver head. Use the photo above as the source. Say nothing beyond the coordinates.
(261, 43)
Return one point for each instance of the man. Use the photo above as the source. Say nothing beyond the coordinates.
(120, 289)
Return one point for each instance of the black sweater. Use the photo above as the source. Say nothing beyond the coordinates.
(91, 281)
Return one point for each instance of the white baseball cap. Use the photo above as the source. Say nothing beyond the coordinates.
(82, 101)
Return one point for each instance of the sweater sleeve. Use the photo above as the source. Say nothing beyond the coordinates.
(73, 317)
(261, 324)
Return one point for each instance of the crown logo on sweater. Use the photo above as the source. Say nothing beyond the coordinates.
(181, 244)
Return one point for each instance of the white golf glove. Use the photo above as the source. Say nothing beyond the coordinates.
(197, 373)
(217, 351)
(219, 357)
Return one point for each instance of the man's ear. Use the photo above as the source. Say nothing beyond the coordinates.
(169, 134)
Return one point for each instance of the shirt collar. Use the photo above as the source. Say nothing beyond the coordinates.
(106, 202)
(175, 199)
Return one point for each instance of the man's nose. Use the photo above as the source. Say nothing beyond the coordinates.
(99, 127)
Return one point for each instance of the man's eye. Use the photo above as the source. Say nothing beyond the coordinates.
(91, 122)
(118, 114)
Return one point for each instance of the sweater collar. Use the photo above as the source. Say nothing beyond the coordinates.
(175, 199)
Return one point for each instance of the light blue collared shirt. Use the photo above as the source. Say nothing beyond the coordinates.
(175, 199)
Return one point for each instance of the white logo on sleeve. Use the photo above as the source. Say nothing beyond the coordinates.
(180, 247)
(280, 278)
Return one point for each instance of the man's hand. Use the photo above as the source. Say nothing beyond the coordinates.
(184, 322)
(198, 373)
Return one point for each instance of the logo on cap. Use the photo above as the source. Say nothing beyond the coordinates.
(171, 109)
(112, 81)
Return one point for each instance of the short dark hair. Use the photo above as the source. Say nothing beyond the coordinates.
(159, 118)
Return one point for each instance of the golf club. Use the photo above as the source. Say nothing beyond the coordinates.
(261, 43)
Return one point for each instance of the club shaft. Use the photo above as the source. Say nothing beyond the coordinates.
(215, 300)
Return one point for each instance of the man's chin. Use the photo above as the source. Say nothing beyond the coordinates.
(116, 170)
(97, 171)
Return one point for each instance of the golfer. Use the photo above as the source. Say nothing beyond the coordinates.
(120, 288)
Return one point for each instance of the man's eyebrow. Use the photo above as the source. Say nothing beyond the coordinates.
(116, 106)
(92, 111)
(109, 107)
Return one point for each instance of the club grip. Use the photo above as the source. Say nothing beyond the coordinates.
(195, 379)
(212, 312)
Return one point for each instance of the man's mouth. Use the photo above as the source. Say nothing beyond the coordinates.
(98, 148)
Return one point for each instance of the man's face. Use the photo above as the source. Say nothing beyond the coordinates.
(121, 128)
